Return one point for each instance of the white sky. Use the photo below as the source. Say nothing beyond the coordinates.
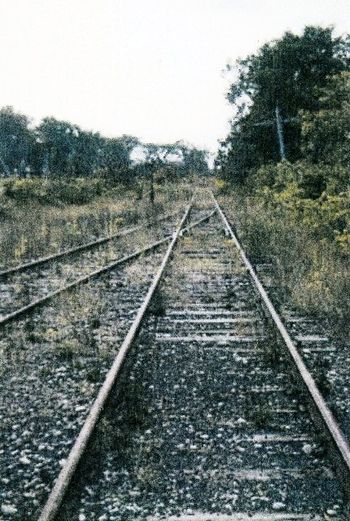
(150, 68)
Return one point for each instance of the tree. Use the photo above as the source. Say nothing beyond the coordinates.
(283, 74)
(116, 157)
(194, 160)
(86, 159)
(16, 141)
(325, 132)
(59, 140)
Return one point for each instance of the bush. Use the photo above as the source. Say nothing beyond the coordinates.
(78, 191)
(73, 191)
(24, 190)
(221, 187)
(310, 181)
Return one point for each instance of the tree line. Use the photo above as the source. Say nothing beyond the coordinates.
(291, 103)
(57, 148)
(286, 164)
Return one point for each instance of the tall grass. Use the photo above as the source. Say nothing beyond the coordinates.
(39, 217)
(312, 273)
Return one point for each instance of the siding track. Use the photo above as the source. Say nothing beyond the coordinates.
(42, 283)
(25, 286)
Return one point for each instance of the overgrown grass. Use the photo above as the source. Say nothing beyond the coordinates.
(312, 272)
(39, 217)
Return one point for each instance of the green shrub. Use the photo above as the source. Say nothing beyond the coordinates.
(73, 191)
(23, 190)
(78, 191)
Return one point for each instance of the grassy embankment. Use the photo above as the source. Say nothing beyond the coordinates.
(306, 239)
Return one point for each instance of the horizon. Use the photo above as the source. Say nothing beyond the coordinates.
(151, 70)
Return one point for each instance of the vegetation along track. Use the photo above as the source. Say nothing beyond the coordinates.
(24, 287)
(203, 416)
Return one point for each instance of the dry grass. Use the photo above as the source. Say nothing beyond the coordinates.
(311, 274)
(29, 229)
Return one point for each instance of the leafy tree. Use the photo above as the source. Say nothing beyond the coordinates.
(87, 154)
(115, 157)
(59, 139)
(16, 141)
(284, 74)
(325, 132)
(194, 160)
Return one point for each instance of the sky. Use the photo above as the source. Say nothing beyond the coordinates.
(148, 68)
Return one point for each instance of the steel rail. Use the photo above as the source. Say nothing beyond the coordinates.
(335, 435)
(43, 300)
(57, 494)
(18, 313)
(81, 247)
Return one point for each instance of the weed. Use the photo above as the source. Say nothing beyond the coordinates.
(67, 349)
(158, 305)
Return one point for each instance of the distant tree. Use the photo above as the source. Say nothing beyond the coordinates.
(86, 159)
(16, 141)
(115, 157)
(59, 139)
(59, 148)
(194, 160)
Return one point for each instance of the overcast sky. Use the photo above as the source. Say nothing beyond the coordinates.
(150, 68)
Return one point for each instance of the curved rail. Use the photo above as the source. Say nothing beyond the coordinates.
(77, 249)
(57, 494)
(319, 406)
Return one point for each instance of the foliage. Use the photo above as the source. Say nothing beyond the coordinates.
(74, 191)
(285, 73)
(16, 141)
(186, 159)
(56, 149)
(116, 160)
(325, 132)
(308, 195)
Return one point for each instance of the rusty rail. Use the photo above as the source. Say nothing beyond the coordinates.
(58, 492)
(320, 409)
(86, 246)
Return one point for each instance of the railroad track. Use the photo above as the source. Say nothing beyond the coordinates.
(30, 285)
(53, 362)
(7, 272)
(204, 412)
